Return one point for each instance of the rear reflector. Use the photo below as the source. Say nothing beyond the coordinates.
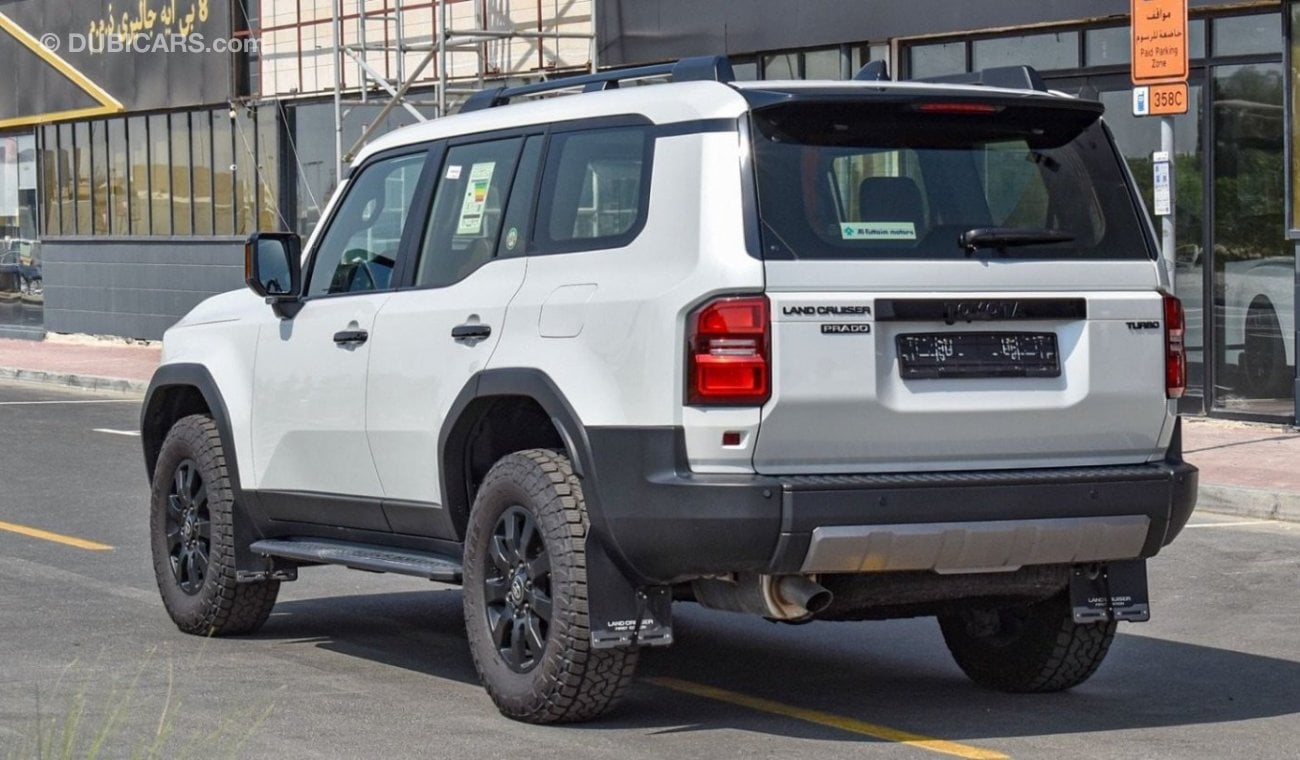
(727, 352)
(1175, 350)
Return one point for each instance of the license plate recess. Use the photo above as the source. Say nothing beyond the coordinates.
(978, 354)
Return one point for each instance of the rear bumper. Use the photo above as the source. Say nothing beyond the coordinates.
(665, 523)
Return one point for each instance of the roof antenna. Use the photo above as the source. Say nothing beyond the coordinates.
(873, 71)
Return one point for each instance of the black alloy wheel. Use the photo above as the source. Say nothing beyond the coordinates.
(517, 590)
(188, 527)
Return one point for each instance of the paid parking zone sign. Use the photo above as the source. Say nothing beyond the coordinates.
(1160, 99)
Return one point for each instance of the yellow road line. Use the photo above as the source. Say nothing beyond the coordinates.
(57, 538)
(832, 721)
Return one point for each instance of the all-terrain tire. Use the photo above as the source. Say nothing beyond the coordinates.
(554, 676)
(192, 534)
(1027, 648)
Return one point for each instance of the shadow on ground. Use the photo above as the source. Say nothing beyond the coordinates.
(895, 673)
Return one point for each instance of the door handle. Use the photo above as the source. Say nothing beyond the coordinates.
(351, 337)
(471, 331)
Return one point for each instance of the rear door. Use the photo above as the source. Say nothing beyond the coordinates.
(956, 283)
(435, 333)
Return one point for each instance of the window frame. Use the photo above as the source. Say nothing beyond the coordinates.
(539, 242)
(418, 211)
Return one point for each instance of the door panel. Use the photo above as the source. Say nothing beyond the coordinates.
(429, 341)
(309, 397)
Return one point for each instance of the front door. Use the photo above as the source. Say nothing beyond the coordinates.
(311, 458)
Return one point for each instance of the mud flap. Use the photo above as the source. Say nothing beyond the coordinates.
(251, 567)
(621, 614)
(1110, 591)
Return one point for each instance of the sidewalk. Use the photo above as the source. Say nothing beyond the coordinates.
(1251, 470)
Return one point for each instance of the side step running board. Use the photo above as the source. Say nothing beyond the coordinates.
(378, 559)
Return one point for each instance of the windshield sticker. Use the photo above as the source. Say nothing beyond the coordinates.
(476, 192)
(453, 172)
(878, 231)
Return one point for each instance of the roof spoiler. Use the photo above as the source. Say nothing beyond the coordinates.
(700, 69)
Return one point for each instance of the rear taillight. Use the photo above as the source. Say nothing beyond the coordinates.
(728, 342)
(1175, 350)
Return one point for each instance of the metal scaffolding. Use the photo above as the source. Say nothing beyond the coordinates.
(377, 89)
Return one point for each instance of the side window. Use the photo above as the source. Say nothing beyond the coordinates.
(594, 188)
(467, 211)
(359, 250)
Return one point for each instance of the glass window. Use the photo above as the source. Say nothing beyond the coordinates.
(467, 210)
(50, 161)
(1108, 47)
(246, 179)
(840, 181)
(1248, 35)
(137, 138)
(313, 151)
(223, 173)
(68, 181)
(119, 196)
(822, 64)
(21, 281)
(160, 175)
(1254, 266)
(99, 176)
(182, 192)
(745, 71)
(594, 188)
(781, 66)
(359, 250)
(201, 172)
(1045, 52)
(936, 60)
(1196, 38)
(85, 184)
(519, 209)
(268, 166)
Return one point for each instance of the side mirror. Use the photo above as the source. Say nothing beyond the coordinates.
(273, 270)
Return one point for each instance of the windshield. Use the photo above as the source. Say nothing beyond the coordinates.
(866, 180)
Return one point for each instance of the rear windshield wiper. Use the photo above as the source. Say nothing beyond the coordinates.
(1002, 238)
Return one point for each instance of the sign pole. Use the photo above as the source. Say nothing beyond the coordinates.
(1159, 70)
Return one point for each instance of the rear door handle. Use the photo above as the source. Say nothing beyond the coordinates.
(351, 337)
(471, 331)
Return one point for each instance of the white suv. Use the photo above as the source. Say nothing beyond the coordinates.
(831, 350)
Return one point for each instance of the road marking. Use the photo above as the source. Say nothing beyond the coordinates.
(111, 431)
(1232, 524)
(832, 721)
(77, 401)
(57, 538)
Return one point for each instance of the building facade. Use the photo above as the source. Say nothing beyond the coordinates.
(129, 179)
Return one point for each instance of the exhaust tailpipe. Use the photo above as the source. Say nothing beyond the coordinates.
(785, 597)
(802, 591)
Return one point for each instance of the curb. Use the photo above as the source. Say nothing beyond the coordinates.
(1254, 503)
(73, 380)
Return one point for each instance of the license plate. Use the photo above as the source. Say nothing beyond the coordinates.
(978, 354)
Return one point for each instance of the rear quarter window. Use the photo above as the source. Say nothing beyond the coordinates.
(595, 189)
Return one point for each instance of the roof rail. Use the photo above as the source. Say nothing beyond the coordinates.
(1011, 77)
(704, 68)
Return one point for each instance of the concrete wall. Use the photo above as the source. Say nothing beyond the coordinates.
(135, 288)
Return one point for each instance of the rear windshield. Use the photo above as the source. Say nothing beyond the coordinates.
(868, 180)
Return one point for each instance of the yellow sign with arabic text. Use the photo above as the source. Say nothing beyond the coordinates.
(150, 17)
(1159, 41)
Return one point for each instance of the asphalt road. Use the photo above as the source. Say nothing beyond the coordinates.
(353, 665)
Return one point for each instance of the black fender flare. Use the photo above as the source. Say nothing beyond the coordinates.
(246, 513)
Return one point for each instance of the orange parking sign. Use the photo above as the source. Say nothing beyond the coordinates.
(1159, 41)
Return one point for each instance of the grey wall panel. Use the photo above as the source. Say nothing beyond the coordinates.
(134, 288)
(643, 31)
